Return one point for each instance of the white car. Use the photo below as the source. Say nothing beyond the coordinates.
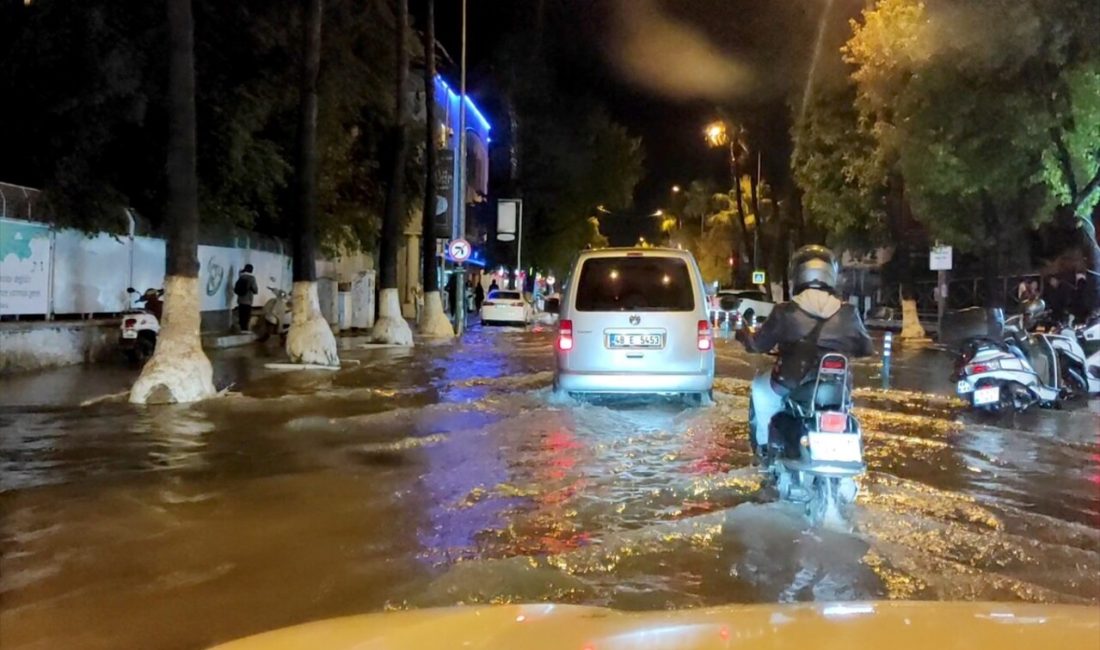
(505, 306)
(741, 306)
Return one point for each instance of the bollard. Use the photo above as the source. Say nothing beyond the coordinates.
(887, 343)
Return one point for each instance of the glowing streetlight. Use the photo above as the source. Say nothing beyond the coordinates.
(675, 189)
(716, 134)
(659, 213)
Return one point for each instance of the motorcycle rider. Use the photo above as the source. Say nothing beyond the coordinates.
(815, 321)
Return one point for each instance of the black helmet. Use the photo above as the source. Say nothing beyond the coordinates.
(1033, 311)
(814, 267)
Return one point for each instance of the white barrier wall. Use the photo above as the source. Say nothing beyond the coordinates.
(45, 271)
(90, 273)
(25, 255)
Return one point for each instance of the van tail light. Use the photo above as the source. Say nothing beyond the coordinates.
(705, 340)
(129, 322)
(565, 335)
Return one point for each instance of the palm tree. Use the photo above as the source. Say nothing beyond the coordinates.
(434, 321)
(310, 339)
(179, 370)
(391, 326)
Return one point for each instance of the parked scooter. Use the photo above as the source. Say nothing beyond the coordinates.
(1005, 366)
(140, 326)
(277, 315)
(1082, 355)
(816, 444)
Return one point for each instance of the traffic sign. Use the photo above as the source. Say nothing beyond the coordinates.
(459, 250)
(759, 277)
(939, 258)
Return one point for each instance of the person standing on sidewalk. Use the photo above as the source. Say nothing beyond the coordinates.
(245, 289)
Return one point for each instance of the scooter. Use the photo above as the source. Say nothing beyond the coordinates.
(816, 444)
(277, 315)
(140, 326)
(1080, 348)
(1020, 369)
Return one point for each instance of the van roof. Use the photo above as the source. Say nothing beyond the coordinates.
(636, 251)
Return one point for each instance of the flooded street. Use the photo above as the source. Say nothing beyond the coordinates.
(450, 474)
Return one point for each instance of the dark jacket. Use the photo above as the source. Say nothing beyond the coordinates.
(245, 288)
(790, 323)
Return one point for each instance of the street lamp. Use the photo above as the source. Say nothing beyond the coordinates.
(675, 189)
(659, 213)
(717, 134)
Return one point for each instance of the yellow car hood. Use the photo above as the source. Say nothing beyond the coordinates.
(847, 626)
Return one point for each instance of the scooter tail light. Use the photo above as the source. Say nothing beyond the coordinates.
(832, 422)
(565, 335)
(705, 338)
(982, 368)
(834, 364)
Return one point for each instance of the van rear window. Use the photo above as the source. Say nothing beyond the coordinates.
(635, 284)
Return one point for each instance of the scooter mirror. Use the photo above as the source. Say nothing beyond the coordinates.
(131, 290)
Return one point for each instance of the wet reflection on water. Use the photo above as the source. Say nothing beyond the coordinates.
(451, 474)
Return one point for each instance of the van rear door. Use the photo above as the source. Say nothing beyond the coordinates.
(636, 313)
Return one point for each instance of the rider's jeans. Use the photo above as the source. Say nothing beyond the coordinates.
(767, 401)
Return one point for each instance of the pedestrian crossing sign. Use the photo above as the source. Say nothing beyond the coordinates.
(759, 277)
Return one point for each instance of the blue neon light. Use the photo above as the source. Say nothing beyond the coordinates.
(453, 96)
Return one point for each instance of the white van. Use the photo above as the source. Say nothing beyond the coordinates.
(634, 320)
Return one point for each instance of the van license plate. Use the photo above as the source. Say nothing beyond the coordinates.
(838, 447)
(989, 395)
(622, 340)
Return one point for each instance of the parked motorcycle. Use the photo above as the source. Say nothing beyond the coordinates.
(816, 445)
(1006, 366)
(277, 315)
(140, 326)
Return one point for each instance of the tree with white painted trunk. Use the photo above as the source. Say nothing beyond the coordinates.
(434, 321)
(310, 340)
(179, 370)
(391, 326)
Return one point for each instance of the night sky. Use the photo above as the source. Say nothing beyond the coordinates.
(664, 68)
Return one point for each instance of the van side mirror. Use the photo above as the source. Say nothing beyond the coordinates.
(553, 306)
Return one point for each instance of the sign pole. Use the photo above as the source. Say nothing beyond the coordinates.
(519, 244)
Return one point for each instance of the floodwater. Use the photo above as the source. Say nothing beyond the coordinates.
(450, 474)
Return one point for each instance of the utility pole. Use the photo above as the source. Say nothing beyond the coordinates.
(460, 222)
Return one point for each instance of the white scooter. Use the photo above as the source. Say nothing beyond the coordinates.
(140, 326)
(816, 444)
(277, 315)
(1015, 370)
(1081, 349)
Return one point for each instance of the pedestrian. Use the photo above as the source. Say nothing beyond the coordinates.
(1080, 299)
(479, 295)
(1023, 291)
(493, 286)
(1058, 296)
(245, 289)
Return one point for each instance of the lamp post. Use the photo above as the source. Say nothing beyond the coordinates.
(460, 222)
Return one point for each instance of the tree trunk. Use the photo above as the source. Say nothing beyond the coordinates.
(434, 321)
(741, 275)
(991, 266)
(310, 340)
(391, 326)
(1092, 256)
(896, 211)
(179, 370)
